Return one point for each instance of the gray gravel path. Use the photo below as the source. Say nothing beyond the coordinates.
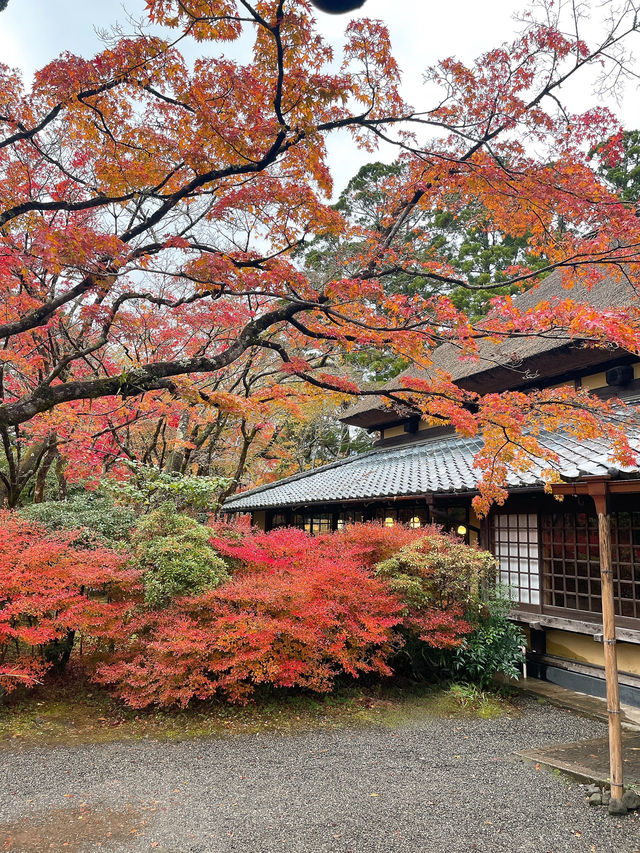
(440, 785)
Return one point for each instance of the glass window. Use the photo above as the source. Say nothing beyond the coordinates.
(386, 516)
(349, 517)
(412, 516)
(571, 561)
(317, 522)
(515, 537)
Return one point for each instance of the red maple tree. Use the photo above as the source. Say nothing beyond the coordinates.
(51, 592)
(139, 193)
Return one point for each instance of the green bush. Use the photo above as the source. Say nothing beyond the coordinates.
(438, 572)
(97, 517)
(456, 619)
(494, 646)
(174, 552)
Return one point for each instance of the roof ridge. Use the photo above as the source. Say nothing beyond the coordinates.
(433, 464)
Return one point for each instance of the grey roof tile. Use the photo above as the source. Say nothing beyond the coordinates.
(442, 465)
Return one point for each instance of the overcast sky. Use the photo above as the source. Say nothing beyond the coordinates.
(33, 32)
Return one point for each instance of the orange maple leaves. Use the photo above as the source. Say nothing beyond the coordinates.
(152, 210)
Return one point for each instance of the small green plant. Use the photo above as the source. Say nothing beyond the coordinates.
(494, 646)
(466, 695)
(472, 699)
(174, 552)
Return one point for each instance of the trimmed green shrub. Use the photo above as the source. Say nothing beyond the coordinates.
(438, 571)
(455, 621)
(174, 552)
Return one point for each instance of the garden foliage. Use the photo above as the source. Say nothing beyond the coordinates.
(439, 580)
(147, 488)
(301, 611)
(93, 516)
(51, 591)
(455, 619)
(227, 608)
(494, 646)
(174, 553)
(297, 613)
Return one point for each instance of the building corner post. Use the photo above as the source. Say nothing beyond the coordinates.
(609, 642)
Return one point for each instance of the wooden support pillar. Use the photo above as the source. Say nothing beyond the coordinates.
(599, 495)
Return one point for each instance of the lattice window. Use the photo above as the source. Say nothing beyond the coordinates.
(515, 537)
(318, 522)
(571, 559)
(625, 547)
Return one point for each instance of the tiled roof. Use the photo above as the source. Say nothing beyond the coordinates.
(442, 465)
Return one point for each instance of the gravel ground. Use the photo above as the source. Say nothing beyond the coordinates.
(441, 786)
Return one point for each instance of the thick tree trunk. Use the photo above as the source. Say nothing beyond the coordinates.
(21, 468)
(176, 457)
(47, 461)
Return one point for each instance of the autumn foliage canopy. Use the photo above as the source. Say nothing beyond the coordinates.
(151, 211)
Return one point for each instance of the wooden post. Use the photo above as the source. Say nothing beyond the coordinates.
(609, 641)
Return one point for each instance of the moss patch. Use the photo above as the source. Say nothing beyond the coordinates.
(72, 712)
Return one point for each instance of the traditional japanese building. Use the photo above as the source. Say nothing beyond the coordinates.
(548, 551)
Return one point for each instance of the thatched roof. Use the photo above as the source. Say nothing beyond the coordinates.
(513, 355)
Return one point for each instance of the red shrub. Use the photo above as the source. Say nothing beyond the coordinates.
(258, 550)
(372, 542)
(296, 615)
(48, 591)
(299, 611)
(366, 544)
